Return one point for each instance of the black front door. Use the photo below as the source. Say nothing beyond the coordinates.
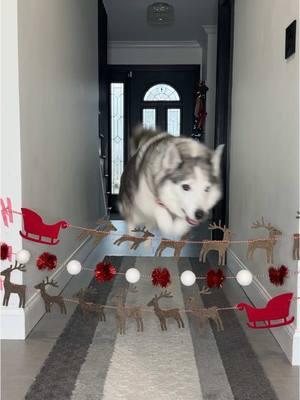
(158, 97)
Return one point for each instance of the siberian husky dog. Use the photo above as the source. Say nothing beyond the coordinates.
(170, 183)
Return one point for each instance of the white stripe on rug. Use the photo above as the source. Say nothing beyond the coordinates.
(154, 364)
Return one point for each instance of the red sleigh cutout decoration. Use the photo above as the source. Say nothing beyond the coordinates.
(275, 310)
(33, 225)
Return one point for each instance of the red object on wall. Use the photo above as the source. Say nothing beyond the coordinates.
(33, 225)
(274, 314)
(6, 252)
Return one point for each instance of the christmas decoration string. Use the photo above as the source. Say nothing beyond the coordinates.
(183, 241)
(144, 276)
(153, 239)
(147, 309)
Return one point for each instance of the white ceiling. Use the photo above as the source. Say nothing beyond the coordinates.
(127, 20)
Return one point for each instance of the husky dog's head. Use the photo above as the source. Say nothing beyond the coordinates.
(189, 184)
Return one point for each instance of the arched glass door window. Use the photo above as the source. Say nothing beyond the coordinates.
(162, 108)
(161, 92)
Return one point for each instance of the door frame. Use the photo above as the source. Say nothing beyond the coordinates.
(225, 38)
(122, 73)
(103, 98)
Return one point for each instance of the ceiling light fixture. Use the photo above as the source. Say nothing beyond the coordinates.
(160, 14)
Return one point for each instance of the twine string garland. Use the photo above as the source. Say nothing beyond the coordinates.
(148, 309)
(278, 238)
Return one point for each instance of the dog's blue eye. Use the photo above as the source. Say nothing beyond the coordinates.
(186, 187)
(207, 189)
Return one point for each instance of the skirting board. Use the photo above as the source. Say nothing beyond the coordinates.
(16, 323)
(287, 336)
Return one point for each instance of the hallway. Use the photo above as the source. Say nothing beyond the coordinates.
(78, 76)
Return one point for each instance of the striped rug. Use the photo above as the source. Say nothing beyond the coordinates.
(90, 360)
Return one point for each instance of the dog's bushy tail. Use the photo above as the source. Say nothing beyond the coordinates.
(140, 135)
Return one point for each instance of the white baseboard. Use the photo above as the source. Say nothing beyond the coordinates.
(16, 323)
(12, 323)
(287, 336)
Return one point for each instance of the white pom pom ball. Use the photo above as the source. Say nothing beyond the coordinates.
(188, 278)
(74, 267)
(244, 277)
(23, 256)
(132, 275)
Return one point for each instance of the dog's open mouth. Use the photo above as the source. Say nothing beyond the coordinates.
(192, 221)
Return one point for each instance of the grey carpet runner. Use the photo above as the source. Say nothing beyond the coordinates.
(90, 360)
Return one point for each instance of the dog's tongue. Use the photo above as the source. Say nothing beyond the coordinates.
(192, 221)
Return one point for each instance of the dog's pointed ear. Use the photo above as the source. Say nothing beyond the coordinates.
(216, 159)
(172, 157)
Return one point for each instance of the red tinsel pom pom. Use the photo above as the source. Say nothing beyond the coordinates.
(161, 277)
(46, 260)
(215, 278)
(277, 275)
(105, 271)
(4, 251)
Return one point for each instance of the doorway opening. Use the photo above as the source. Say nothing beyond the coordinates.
(158, 97)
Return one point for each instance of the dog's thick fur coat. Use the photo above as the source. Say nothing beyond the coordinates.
(169, 182)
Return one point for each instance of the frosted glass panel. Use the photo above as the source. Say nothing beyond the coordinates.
(161, 92)
(149, 118)
(117, 134)
(173, 121)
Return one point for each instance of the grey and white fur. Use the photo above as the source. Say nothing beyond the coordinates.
(170, 182)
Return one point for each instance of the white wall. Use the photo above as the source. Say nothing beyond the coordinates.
(264, 169)
(148, 53)
(10, 139)
(58, 86)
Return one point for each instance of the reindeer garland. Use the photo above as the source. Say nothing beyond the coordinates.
(265, 244)
(220, 246)
(124, 311)
(296, 243)
(136, 241)
(48, 299)
(10, 287)
(177, 245)
(204, 314)
(87, 307)
(98, 236)
(163, 314)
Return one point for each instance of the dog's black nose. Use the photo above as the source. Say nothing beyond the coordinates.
(199, 214)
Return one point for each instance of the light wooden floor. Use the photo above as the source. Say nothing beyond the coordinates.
(22, 360)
